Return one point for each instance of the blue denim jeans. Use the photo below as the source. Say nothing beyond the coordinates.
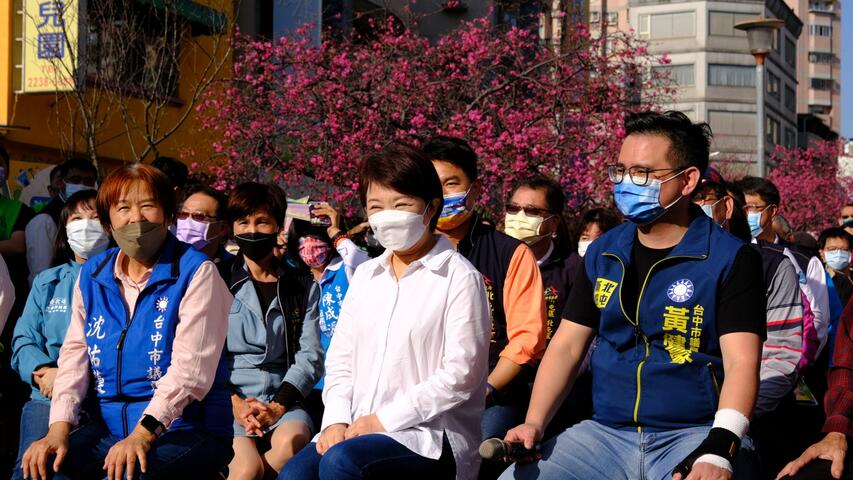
(372, 456)
(177, 454)
(34, 420)
(591, 450)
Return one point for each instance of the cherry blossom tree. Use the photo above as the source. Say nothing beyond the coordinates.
(812, 194)
(293, 110)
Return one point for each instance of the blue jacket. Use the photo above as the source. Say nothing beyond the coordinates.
(665, 371)
(277, 349)
(127, 354)
(41, 329)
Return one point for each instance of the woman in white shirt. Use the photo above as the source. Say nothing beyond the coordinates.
(406, 369)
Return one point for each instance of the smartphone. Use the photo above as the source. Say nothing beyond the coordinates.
(319, 220)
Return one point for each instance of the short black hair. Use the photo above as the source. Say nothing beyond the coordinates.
(736, 193)
(221, 199)
(251, 197)
(762, 187)
(555, 199)
(77, 163)
(554, 195)
(834, 232)
(176, 170)
(691, 142)
(56, 171)
(605, 218)
(453, 150)
(62, 252)
(405, 169)
(710, 186)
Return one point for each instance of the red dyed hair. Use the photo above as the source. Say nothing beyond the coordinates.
(119, 181)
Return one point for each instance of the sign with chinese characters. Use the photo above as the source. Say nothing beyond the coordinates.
(51, 45)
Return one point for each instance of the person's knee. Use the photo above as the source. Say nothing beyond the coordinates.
(339, 462)
(244, 467)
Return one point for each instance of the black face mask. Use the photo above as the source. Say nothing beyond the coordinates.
(256, 246)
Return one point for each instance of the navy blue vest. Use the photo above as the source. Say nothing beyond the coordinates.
(128, 354)
(664, 371)
(491, 253)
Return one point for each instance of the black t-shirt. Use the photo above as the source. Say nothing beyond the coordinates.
(737, 312)
(266, 293)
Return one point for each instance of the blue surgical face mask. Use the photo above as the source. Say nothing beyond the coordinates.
(709, 209)
(837, 259)
(754, 221)
(641, 205)
(72, 188)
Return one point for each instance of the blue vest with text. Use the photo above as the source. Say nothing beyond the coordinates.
(128, 354)
(664, 371)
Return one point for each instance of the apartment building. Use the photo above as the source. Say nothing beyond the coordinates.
(819, 89)
(712, 67)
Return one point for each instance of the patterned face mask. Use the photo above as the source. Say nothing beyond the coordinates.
(314, 252)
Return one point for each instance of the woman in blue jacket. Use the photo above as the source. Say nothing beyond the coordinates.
(41, 329)
(273, 345)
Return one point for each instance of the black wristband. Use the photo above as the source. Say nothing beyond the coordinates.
(152, 425)
(287, 396)
(720, 442)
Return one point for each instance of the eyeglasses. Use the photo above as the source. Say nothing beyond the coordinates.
(197, 216)
(639, 175)
(753, 208)
(531, 211)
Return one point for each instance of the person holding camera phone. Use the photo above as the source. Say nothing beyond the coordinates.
(332, 257)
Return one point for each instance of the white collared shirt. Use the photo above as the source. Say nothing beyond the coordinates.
(414, 352)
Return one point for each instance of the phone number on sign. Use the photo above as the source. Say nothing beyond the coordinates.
(40, 82)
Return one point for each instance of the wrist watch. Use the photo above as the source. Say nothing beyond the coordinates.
(152, 425)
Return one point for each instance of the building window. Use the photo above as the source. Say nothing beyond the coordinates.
(732, 123)
(731, 76)
(773, 131)
(818, 110)
(773, 86)
(790, 138)
(131, 48)
(681, 75)
(723, 23)
(820, 30)
(818, 6)
(822, 83)
(790, 52)
(667, 25)
(594, 17)
(821, 57)
(790, 99)
(775, 40)
(612, 18)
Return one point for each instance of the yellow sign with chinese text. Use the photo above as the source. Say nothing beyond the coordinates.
(50, 45)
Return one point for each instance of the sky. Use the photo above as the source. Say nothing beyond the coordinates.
(847, 74)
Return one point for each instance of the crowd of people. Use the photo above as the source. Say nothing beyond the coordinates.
(159, 328)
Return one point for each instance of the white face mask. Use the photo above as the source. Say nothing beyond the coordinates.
(582, 246)
(87, 237)
(397, 230)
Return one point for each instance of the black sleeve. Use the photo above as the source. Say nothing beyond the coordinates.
(580, 307)
(24, 216)
(743, 301)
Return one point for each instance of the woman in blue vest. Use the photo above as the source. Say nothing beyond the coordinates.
(274, 353)
(148, 323)
(39, 332)
(332, 257)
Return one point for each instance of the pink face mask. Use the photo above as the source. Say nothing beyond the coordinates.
(313, 251)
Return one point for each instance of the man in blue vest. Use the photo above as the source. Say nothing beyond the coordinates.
(678, 305)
